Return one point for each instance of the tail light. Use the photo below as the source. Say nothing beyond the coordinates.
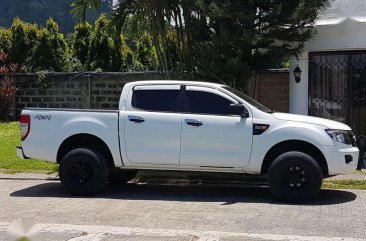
(24, 126)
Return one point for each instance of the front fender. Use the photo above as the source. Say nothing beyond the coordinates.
(285, 131)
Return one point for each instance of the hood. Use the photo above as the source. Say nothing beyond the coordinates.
(311, 120)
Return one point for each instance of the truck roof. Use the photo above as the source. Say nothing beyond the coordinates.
(178, 82)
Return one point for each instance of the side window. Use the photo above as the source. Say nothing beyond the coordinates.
(156, 100)
(200, 102)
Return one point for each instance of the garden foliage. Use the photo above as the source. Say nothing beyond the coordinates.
(89, 48)
(38, 11)
(229, 39)
(7, 88)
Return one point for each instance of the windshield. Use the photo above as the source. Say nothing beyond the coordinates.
(246, 98)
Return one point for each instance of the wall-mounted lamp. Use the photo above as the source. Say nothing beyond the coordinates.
(297, 74)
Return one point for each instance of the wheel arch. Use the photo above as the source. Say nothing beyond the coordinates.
(294, 145)
(88, 141)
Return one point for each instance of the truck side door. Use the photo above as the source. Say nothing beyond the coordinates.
(212, 136)
(153, 124)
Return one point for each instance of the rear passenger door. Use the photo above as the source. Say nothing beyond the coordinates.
(153, 125)
(213, 136)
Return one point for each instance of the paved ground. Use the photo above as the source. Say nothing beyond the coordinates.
(179, 211)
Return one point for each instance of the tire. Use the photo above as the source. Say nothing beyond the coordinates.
(83, 172)
(295, 177)
(121, 176)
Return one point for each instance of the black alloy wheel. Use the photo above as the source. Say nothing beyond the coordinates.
(84, 171)
(81, 171)
(295, 177)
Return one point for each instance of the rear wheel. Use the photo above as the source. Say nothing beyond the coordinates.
(83, 171)
(295, 177)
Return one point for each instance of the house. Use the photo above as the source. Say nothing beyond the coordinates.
(333, 68)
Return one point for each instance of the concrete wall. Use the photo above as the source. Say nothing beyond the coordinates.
(102, 90)
(75, 90)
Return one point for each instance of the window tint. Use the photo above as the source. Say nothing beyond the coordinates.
(156, 100)
(200, 102)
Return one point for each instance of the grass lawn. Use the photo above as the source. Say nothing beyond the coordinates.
(345, 184)
(9, 161)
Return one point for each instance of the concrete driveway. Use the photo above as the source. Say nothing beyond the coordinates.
(179, 211)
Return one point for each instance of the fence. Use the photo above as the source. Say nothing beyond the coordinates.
(90, 90)
(271, 89)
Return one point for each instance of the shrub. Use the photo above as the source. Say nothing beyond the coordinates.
(50, 51)
(80, 42)
(24, 37)
(102, 49)
(7, 88)
(146, 53)
(5, 40)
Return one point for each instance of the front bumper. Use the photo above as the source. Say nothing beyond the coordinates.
(341, 160)
(20, 152)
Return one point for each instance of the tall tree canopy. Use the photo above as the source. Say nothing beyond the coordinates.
(38, 11)
(90, 47)
(227, 38)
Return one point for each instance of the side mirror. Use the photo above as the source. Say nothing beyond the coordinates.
(239, 109)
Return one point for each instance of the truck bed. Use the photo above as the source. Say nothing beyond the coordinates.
(50, 127)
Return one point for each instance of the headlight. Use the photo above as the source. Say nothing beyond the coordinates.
(342, 136)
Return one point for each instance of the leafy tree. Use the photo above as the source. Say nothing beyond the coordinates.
(146, 53)
(226, 38)
(108, 51)
(80, 8)
(102, 48)
(81, 41)
(50, 51)
(24, 38)
(38, 11)
(88, 48)
(130, 61)
(5, 40)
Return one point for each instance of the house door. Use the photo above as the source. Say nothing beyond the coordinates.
(337, 88)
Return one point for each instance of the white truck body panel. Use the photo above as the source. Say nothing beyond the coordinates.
(166, 141)
(47, 135)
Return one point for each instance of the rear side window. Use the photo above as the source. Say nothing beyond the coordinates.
(156, 100)
(199, 102)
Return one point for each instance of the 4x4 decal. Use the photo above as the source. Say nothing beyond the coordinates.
(43, 117)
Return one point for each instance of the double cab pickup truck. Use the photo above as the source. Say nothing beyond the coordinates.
(189, 126)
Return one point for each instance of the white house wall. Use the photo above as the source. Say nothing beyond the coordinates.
(347, 35)
(340, 33)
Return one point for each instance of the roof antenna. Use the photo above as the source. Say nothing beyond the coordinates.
(215, 76)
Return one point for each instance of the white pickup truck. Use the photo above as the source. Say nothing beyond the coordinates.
(189, 126)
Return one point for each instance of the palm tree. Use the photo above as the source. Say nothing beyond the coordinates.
(80, 7)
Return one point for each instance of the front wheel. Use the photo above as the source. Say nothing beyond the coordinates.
(295, 177)
(83, 171)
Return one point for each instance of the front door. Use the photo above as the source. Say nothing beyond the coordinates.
(337, 87)
(212, 136)
(153, 125)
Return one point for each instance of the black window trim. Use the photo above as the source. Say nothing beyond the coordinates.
(183, 96)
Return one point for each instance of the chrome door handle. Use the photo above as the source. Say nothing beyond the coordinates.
(136, 119)
(194, 123)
